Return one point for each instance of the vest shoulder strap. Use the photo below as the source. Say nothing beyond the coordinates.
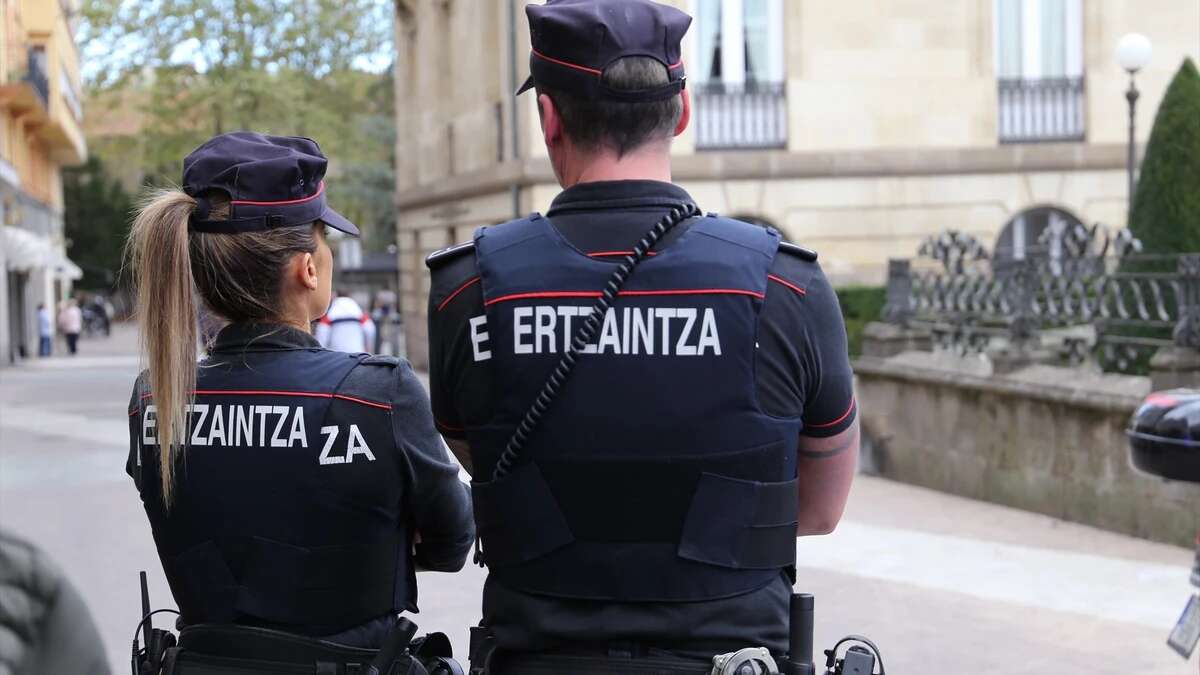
(805, 254)
(496, 237)
(441, 257)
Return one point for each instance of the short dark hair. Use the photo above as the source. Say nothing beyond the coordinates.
(622, 126)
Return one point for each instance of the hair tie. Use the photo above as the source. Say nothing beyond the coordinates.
(200, 210)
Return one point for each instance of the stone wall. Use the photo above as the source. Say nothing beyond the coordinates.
(1044, 439)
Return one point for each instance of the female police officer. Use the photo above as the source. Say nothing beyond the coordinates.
(288, 487)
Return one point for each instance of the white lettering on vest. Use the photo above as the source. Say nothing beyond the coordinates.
(277, 440)
(149, 426)
(708, 334)
(331, 434)
(357, 445)
(202, 410)
(298, 433)
(521, 327)
(479, 336)
(650, 331)
(216, 431)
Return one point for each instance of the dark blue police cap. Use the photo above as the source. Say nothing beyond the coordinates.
(272, 181)
(574, 41)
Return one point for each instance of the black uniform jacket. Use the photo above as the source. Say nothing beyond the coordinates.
(308, 476)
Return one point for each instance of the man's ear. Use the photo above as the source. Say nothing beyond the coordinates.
(686, 115)
(306, 271)
(551, 122)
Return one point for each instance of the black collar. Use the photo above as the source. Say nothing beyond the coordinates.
(262, 337)
(619, 194)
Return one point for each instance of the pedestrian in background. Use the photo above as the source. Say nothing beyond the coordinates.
(45, 330)
(346, 327)
(70, 322)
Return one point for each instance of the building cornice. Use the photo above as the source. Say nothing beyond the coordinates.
(782, 164)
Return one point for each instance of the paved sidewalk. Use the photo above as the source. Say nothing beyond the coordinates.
(943, 584)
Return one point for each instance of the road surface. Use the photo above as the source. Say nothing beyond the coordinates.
(942, 584)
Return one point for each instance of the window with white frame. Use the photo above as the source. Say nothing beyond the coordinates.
(737, 74)
(738, 41)
(1039, 69)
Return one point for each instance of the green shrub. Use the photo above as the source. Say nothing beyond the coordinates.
(860, 305)
(1166, 207)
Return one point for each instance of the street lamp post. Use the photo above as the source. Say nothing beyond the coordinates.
(1133, 53)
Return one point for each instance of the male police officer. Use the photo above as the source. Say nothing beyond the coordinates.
(650, 521)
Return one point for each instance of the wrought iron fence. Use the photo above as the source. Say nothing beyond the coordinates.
(750, 115)
(1088, 293)
(1046, 109)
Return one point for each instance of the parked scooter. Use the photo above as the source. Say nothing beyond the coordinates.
(1164, 441)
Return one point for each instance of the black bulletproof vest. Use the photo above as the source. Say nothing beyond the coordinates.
(286, 508)
(655, 474)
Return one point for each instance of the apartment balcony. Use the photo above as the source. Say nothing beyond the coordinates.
(45, 100)
(27, 90)
(1041, 110)
(740, 116)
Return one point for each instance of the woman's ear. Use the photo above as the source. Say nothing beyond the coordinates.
(307, 273)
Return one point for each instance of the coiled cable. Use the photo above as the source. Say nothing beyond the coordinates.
(584, 335)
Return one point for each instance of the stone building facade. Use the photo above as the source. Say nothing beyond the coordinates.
(855, 128)
(41, 131)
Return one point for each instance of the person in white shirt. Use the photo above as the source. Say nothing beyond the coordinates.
(346, 327)
(70, 322)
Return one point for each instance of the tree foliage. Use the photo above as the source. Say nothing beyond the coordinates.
(195, 68)
(1166, 207)
(94, 221)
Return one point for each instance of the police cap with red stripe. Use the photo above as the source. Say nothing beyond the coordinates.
(574, 41)
(272, 181)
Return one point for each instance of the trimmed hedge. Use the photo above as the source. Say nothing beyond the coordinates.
(860, 305)
(1166, 206)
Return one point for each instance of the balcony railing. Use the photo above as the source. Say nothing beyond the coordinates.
(1041, 110)
(36, 76)
(750, 115)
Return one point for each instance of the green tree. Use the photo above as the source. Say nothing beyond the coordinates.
(95, 221)
(1166, 207)
(196, 68)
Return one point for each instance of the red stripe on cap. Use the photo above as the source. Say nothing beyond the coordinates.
(596, 294)
(785, 282)
(454, 295)
(560, 62)
(320, 189)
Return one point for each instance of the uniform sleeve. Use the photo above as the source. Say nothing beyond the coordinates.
(135, 432)
(803, 367)
(827, 380)
(459, 376)
(439, 502)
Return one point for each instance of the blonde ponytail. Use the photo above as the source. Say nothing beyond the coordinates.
(238, 276)
(166, 308)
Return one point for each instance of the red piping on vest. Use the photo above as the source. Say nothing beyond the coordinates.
(454, 295)
(787, 283)
(305, 394)
(596, 294)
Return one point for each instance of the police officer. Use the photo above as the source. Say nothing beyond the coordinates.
(649, 520)
(289, 488)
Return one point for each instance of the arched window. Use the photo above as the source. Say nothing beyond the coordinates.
(1022, 236)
